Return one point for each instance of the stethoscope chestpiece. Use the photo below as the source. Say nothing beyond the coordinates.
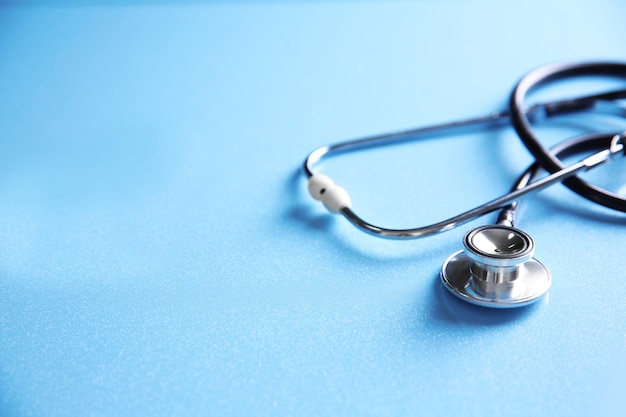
(496, 269)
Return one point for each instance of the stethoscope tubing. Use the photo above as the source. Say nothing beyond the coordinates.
(522, 123)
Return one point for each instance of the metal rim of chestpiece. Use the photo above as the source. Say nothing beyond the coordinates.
(496, 269)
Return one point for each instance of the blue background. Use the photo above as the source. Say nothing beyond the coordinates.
(159, 255)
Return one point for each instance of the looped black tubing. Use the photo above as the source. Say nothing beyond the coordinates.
(548, 160)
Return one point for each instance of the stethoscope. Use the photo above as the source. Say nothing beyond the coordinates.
(496, 267)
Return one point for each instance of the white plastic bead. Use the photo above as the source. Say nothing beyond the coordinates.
(324, 189)
(318, 185)
(336, 198)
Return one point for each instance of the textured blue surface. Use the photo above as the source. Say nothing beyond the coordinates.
(159, 255)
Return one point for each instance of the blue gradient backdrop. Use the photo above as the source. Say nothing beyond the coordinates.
(159, 255)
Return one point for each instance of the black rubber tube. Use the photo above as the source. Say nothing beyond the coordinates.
(548, 160)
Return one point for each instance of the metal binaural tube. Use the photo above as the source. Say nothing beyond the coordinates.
(602, 103)
(616, 148)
